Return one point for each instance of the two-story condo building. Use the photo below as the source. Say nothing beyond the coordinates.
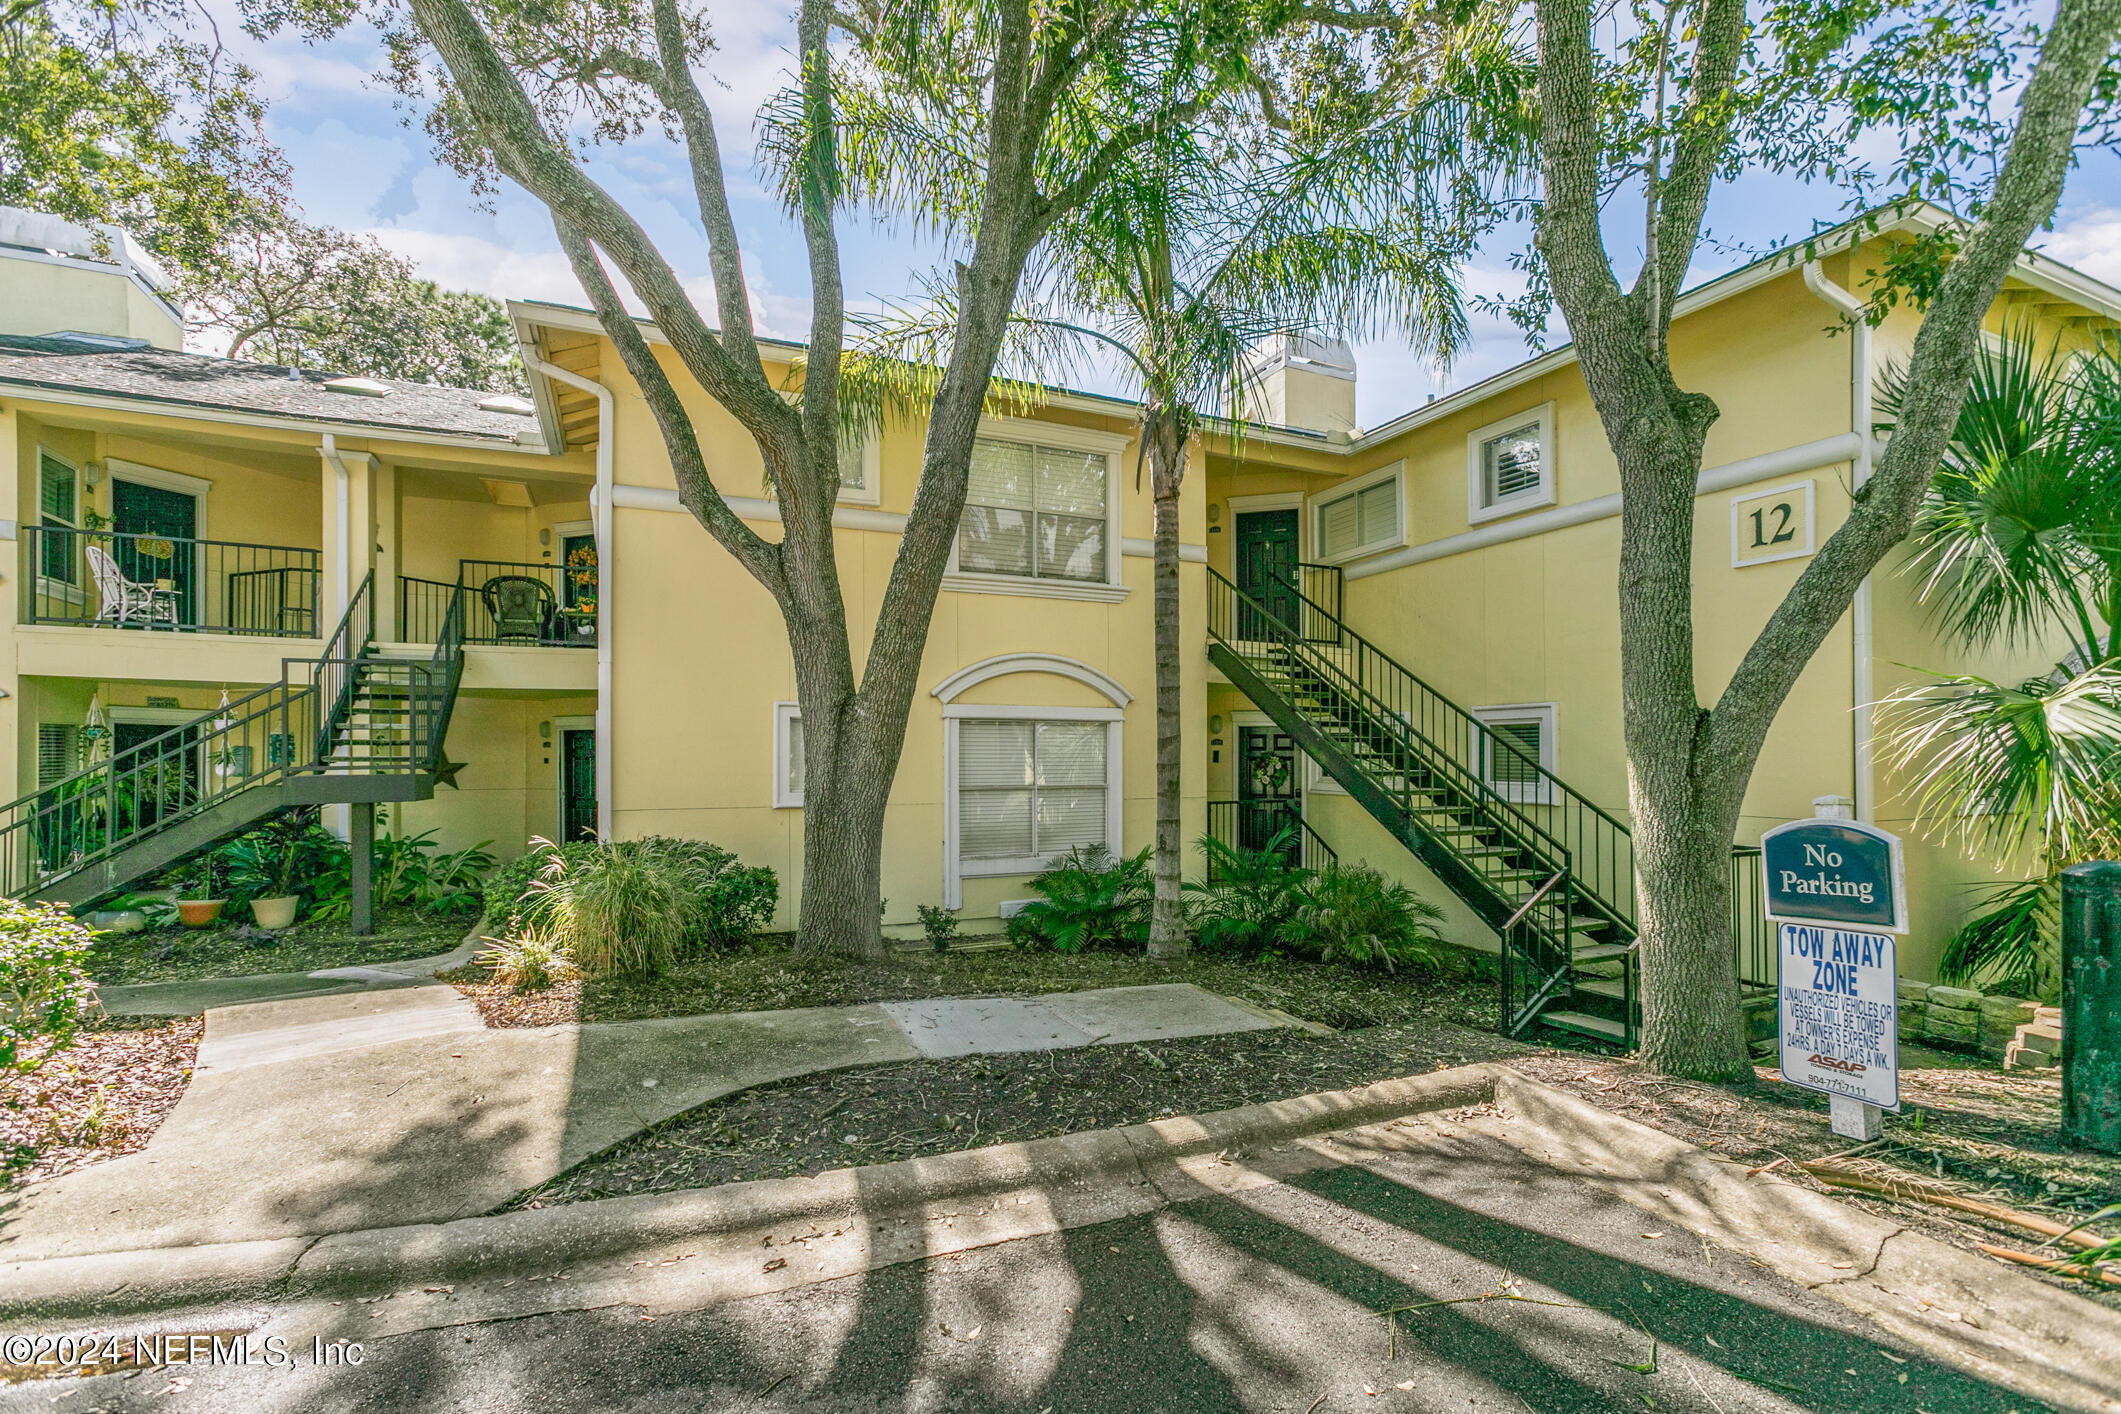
(1401, 641)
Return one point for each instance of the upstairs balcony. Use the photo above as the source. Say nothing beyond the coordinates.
(506, 603)
(168, 584)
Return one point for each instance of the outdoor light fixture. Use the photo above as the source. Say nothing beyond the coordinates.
(545, 731)
(1215, 723)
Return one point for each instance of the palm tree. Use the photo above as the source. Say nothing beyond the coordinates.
(2020, 542)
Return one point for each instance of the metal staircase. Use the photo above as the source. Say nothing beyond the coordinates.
(350, 726)
(1549, 870)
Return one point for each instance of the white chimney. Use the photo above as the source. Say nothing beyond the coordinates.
(57, 276)
(1300, 381)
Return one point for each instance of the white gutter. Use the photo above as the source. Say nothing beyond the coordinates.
(1861, 686)
(343, 590)
(600, 504)
(1788, 462)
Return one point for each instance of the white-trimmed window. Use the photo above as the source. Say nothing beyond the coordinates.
(58, 510)
(787, 756)
(1029, 790)
(1361, 518)
(861, 475)
(1035, 512)
(1510, 464)
(1517, 751)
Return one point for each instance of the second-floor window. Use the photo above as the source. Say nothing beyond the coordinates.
(58, 510)
(1510, 464)
(1034, 511)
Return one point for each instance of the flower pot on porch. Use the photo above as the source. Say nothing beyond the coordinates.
(200, 912)
(273, 914)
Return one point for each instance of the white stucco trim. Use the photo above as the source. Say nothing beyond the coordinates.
(1003, 664)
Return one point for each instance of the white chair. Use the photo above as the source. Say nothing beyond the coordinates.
(125, 602)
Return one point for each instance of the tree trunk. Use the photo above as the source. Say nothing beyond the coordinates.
(1166, 436)
(1691, 1024)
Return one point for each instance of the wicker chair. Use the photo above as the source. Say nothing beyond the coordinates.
(522, 608)
(125, 601)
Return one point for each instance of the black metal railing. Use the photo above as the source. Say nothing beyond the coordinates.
(1303, 596)
(1426, 736)
(1256, 824)
(304, 724)
(1759, 959)
(504, 602)
(111, 579)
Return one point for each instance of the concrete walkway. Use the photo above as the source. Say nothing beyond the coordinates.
(399, 1105)
(192, 996)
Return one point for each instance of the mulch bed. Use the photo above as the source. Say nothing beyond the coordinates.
(104, 1096)
(881, 1113)
(234, 950)
(768, 976)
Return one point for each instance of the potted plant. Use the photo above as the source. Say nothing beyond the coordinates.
(582, 576)
(199, 905)
(268, 866)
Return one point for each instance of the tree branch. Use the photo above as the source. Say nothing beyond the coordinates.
(696, 491)
(1699, 146)
(2025, 194)
(818, 183)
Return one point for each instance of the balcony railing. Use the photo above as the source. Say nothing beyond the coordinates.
(506, 602)
(114, 579)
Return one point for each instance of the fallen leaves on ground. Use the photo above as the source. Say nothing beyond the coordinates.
(104, 1096)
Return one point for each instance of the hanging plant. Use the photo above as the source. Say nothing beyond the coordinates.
(154, 547)
(582, 574)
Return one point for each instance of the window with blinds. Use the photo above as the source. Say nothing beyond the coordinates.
(1036, 512)
(58, 510)
(1358, 521)
(1029, 790)
(1512, 465)
(1518, 754)
(58, 751)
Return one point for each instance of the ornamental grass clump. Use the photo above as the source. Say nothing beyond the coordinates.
(632, 907)
(534, 962)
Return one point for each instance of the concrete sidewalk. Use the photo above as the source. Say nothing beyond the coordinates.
(395, 1106)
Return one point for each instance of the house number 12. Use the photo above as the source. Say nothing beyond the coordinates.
(1782, 513)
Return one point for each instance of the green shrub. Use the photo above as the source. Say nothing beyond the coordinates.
(1254, 897)
(44, 989)
(938, 925)
(530, 963)
(1088, 898)
(636, 906)
(290, 854)
(1350, 913)
(730, 901)
(408, 874)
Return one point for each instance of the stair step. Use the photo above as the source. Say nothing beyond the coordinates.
(1611, 988)
(1598, 952)
(1604, 1028)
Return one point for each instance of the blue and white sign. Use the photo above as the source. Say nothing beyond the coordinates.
(1840, 1013)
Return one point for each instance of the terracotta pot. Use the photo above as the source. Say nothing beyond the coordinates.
(200, 912)
(273, 914)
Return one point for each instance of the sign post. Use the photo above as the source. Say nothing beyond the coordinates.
(1838, 890)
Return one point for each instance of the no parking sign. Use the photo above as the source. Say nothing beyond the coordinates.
(1838, 890)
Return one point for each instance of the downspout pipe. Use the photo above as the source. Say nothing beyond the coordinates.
(1861, 688)
(600, 527)
(343, 589)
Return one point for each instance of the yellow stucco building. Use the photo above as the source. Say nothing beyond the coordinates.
(1404, 637)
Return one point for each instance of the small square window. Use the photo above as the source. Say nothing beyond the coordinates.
(1510, 464)
(860, 466)
(1517, 751)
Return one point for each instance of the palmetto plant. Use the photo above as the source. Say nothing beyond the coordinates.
(1089, 898)
(2019, 543)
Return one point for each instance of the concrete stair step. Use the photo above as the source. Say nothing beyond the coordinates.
(1604, 1028)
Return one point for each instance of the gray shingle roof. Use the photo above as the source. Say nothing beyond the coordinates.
(127, 369)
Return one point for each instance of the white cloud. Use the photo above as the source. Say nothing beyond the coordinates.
(2090, 241)
(462, 262)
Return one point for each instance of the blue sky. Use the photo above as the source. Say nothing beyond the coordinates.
(357, 165)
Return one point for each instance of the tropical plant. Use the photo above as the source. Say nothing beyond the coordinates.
(288, 855)
(1251, 898)
(1352, 913)
(155, 907)
(1088, 898)
(408, 874)
(531, 962)
(45, 993)
(2018, 543)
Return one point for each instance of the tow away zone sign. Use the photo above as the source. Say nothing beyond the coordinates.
(1839, 1013)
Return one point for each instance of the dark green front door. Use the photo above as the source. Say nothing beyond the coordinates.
(154, 783)
(1266, 559)
(155, 528)
(578, 784)
(1267, 798)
